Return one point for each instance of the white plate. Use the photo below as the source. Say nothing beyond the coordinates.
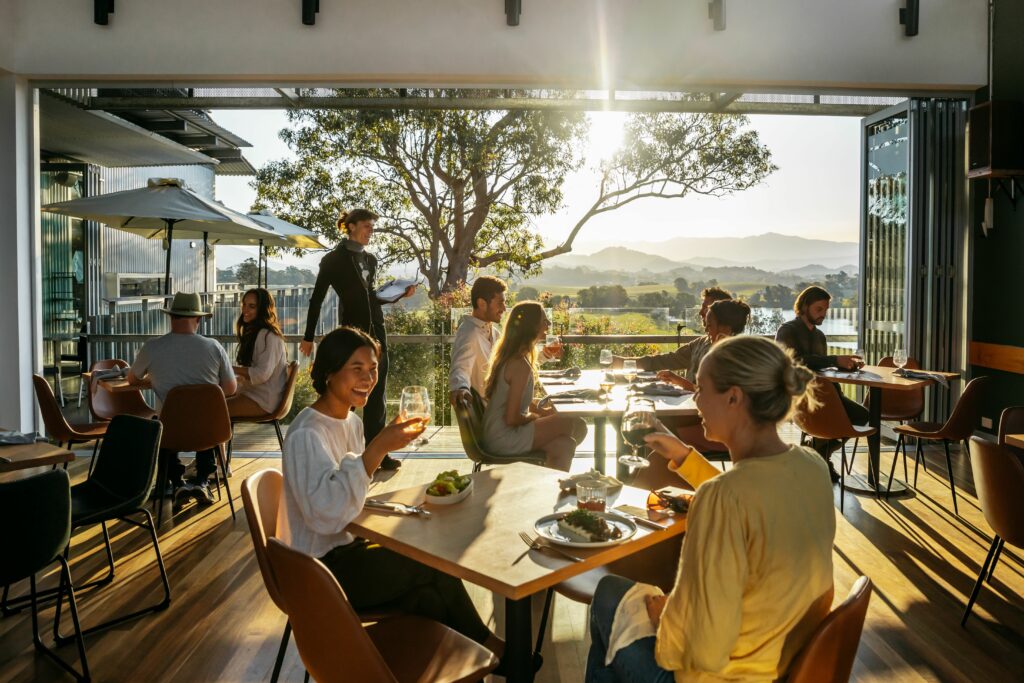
(448, 500)
(547, 527)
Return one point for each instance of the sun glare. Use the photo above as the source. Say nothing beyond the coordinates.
(605, 134)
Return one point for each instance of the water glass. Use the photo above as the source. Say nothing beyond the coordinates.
(591, 495)
(900, 358)
(606, 358)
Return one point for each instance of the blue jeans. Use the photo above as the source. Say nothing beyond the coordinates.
(631, 664)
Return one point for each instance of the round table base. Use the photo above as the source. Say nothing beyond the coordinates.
(858, 483)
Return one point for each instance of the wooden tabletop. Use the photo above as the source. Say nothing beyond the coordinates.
(1016, 440)
(883, 378)
(39, 454)
(117, 385)
(478, 540)
(591, 379)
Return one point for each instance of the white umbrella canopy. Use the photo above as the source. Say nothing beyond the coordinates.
(166, 209)
(298, 237)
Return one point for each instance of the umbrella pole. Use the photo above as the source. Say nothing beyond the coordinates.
(167, 272)
(206, 263)
(263, 266)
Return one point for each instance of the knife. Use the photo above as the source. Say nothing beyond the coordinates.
(643, 521)
(399, 508)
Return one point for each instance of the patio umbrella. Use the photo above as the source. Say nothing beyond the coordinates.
(164, 209)
(298, 237)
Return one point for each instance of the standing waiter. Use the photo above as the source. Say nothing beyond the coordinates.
(351, 270)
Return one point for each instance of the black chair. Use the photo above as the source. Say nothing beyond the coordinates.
(36, 530)
(119, 486)
(471, 427)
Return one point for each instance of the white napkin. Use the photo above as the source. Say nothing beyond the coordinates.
(631, 622)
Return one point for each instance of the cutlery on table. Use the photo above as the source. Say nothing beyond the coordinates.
(535, 544)
(400, 508)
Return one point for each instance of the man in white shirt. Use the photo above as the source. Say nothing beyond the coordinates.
(471, 350)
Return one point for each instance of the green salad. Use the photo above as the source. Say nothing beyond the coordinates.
(448, 483)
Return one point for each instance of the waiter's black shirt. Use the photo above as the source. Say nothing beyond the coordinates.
(358, 305)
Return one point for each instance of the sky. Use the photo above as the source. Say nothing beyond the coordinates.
(815, 192)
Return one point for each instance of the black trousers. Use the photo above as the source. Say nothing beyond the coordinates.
(206, 464)
(375, 414)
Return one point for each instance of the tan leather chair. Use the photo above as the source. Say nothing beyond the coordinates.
(278, 414)
(195, 418)
(105, 405)
(57, 427)
(959, 427)
(829, 421)
(828, 656)
(1011, 421)
(999, 480)
(335, 646)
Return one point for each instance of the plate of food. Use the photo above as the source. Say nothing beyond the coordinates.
(584, 529)
(448, 488)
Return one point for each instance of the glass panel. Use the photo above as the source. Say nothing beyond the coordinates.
(63, 266)
(885, 241)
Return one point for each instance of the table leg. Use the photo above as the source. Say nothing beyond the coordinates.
(600, 423)
(876, 480)
(518, 641)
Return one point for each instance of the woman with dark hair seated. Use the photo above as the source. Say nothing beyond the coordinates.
(724, 319)
(327, 471)
(261, 369)
(755, 574)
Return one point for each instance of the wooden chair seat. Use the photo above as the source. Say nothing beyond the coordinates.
(418, 649)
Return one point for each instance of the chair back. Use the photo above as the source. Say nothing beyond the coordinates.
(999, 479)
(828, 655)
(195, 418)
(37, 523)
(828, 420)
(1011, 421)
(288, 394)
(261, 496)
(104, 405)
(900, 404)
(470, 428)
(127, 461)
(53, 419)
(964, 418)
(331, 639)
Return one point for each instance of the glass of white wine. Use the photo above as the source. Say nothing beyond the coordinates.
(900, 358)
(415, 403)
(629, 370)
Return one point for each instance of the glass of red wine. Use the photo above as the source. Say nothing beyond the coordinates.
(638, 421)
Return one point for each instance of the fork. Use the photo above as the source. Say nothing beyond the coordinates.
(535, 544)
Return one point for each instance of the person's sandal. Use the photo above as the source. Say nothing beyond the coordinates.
(390, 464)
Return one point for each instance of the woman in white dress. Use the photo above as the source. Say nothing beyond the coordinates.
(261, 367)
(513, 422)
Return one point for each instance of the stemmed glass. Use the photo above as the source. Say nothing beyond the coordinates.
(637, 422)
(629, 370)
(900, 359)
(606, 358)
(415, 403)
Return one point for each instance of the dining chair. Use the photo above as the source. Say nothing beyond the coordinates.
(1011, 421)
(104, 405)
(897, 405)
(999, 480)
(470, 418)
(275, 416)
(195, 418)
(959, 428)
(828, 655)
(57, 427)
(335, 646)
(829, 422)
(31, 542)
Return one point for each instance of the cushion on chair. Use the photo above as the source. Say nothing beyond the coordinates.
(581, 588)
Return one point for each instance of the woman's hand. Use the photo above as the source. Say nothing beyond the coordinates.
(655, 606)
(241, 372)
(669, 446)
(397, 435)
(542, 407)
(678, 380)
(305, 348)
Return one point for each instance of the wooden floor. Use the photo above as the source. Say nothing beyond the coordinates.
(221, 626)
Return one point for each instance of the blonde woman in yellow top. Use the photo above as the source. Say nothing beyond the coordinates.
(755, 576)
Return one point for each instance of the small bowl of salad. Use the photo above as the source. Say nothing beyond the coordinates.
(448, 488)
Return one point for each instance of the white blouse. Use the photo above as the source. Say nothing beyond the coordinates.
(325, 482)
(268, 372)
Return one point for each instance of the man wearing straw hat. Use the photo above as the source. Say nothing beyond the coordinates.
(182, 357)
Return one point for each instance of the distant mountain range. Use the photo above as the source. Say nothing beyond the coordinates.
(770, 252)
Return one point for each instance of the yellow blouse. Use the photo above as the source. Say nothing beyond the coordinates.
(755, 577)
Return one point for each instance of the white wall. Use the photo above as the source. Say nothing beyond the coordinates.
(666, 44)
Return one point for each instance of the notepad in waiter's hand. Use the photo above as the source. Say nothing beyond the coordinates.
(394, 290)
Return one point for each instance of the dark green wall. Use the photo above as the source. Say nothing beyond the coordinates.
(997, 301)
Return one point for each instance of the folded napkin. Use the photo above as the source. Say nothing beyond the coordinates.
(12, 438)
(567, 373)
(659, 389)
(113, 373)
(584, 394)
(619, 377)
(921, 374)
(631, 622)
(570, 482)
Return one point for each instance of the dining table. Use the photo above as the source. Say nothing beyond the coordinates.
(116, 385)
(876, 379)
(478, 540)
(611, 407)
(26, 456)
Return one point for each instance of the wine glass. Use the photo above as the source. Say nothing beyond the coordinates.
(606, 358)
(900, 358)
(637, 422)
(859, 353)
(629, 370)
(552, 344)
(415, 403)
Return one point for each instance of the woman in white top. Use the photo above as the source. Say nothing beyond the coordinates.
(513, 422)
(327, 472)
(261, 369)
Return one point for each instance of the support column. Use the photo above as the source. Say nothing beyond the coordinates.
(20, 334)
